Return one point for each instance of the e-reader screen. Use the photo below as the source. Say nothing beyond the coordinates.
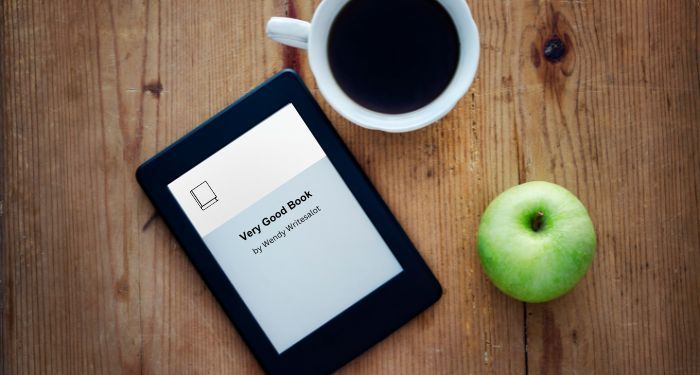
(285, 228)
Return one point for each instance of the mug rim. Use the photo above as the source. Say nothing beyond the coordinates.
(464, 75)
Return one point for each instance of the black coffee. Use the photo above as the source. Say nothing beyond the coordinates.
(393, 56)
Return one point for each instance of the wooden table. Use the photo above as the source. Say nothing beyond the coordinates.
(93, 282)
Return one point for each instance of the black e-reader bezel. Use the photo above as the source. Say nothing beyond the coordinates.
(352, 331)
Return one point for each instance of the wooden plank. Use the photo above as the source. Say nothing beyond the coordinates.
(93, 282)
(616, 121)
(434, 182)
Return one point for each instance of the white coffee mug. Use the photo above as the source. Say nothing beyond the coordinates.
(314, 37)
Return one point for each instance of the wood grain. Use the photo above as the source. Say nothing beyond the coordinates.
(92, 281)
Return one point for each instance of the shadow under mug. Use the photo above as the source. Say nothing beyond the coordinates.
(314, 37)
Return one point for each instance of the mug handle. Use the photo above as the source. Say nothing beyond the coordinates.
(289, 31)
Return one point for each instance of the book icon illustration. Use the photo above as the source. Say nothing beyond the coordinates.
(204, 195)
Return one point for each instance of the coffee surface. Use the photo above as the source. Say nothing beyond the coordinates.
(393, 56)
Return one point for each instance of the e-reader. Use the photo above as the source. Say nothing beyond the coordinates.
(294, 242)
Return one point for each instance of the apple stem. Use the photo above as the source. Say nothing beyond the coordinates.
(536, 222)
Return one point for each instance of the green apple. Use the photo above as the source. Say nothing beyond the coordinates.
(536, 241)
